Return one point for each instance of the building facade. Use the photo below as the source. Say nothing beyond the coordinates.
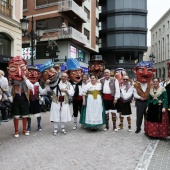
(10, 32)
(71, 26)
(160, 44)
(123, 32)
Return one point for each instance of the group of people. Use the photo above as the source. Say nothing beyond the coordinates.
(95, 99)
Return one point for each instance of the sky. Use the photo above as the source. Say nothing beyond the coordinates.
(156, 9)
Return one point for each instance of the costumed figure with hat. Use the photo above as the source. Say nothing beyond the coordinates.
(35, 108)
(96, 67)
(167, 87)
(21, 86)
(144, 72)
(74, 72)
(126, 95)
(61, 90)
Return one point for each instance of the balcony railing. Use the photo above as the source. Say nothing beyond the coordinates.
(70, 5)
(65, 33)
(6, 8)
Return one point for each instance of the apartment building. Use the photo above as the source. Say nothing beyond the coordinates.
(71, 26)
(123, 32)
(10, 32)
(160, 44)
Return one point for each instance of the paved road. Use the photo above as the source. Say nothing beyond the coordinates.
(80, 149)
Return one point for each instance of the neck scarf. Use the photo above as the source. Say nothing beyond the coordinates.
(76, 93)
(22, 85)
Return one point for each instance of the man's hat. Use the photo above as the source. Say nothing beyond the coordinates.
(72, 64)
(33, 68)
(148, 64)
(46, 66)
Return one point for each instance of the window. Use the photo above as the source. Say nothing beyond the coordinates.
(163, 28)
(51, 23)
(97, 22)
(45, 2)
(159, 31)
(97, 41)
(25, 4)
(153, 36)
(5, 45)
(168, 24)
(156, 34)
(87, 33)
(88, 12)
(97, 4)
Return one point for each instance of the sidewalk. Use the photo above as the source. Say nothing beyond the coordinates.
(80, 149)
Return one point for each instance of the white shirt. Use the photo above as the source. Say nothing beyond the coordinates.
(106, 88)
(126, 94)
(143, 86)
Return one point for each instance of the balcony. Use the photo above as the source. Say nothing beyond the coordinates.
(71, 9)
(71, 33)
(6, 8)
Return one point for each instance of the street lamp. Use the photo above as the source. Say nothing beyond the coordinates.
(152, 57)
(32, 34)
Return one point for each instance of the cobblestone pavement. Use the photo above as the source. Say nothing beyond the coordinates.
(80, 149)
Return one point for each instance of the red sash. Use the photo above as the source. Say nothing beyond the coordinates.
(108, 97)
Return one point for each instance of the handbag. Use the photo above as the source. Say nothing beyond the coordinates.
(2, 105)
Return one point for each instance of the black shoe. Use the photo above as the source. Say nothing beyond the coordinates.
(137, 130)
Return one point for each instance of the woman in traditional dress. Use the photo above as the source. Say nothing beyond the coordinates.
(92, 114)
(156, 124)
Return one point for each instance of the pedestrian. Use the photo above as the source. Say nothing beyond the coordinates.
(34, 105)
(93, 113)
(110, 94)
(60, 111)
(157, 115)
(126, 96)
(144, 72)
(21, 86)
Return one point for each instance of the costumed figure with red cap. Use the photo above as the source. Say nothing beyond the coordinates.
(35, 108)
(21, 86)
(144, 72)
(96, 67)
(126, 95)
(74, 72)
(61, 90)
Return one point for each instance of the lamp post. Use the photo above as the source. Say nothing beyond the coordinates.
(152, 57)
(32, 34)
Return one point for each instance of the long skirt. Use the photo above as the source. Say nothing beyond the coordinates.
(155, 129)
(93, 113)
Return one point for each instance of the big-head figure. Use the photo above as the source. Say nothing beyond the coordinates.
(144, 72)
(21, 86)
(96, 67)
(74, 72)
(119, 73)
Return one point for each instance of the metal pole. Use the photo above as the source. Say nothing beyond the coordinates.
(32, 41)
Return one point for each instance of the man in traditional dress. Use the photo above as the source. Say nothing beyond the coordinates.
(34, 108)
(75, 77)
(111, 93)
(144, 71)
(61, 89)
(21, 86)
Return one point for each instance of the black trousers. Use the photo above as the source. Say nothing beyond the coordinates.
(77, 105)
(140, 112)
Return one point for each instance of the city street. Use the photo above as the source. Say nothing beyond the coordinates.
(79, 149)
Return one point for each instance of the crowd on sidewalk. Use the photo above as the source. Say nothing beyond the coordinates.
(96, 99)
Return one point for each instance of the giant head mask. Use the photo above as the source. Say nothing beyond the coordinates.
(144, 71)
(33, 74)
(48, 72)
(119, 74)
(74, 70)
(17, 67)
(96, 67)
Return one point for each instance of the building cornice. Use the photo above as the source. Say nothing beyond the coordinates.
(167, 13)
(9, 21)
